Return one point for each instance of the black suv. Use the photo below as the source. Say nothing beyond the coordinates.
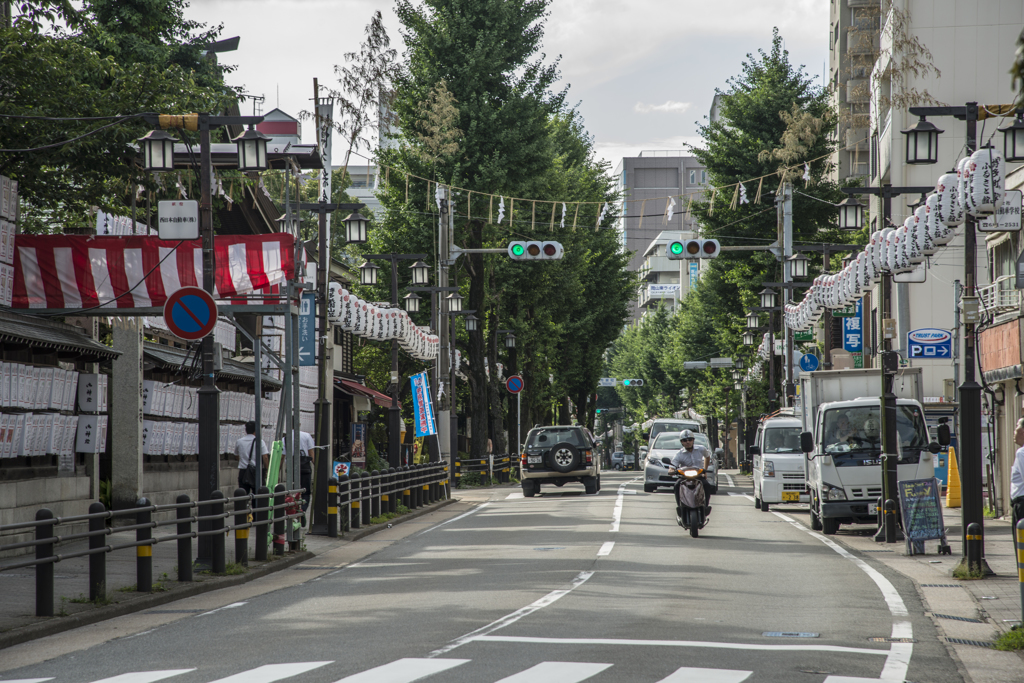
(557, 455)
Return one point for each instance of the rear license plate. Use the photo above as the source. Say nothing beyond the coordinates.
(872, 509)
(534, 459)
(790, 496)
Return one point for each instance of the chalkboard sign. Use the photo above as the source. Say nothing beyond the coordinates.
(921, 509)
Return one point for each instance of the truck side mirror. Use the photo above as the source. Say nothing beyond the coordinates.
(934, 448)
(942, 431)
(754, 450)
(807, 442)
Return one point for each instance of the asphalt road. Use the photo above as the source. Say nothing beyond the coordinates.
(562, 587)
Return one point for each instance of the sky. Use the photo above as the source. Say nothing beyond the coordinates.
(644, 72)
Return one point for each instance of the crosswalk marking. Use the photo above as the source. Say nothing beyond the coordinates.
(269, 673)
(404, 671)
(606, 549)
(690, 675)
(556, 672)
(144, 676)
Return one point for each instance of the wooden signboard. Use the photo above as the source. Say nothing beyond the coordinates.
(921, 508)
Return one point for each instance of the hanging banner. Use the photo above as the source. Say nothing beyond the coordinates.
(423, 410)
(325, 117)
(694, 273)
(853, 331)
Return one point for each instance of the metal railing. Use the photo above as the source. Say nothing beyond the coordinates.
(1000, 296)
(494, 466)
(354, 501)
(188, 514)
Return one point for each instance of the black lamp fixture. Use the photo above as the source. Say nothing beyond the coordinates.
(737, 375)
(420, 273)
(1013, 138)
(472, 322)
(252, 150)
(767, 298)
(157, 151)
(510, 341)
(412, 302)
(454, 302)
(753, 321)
(368, 273)
(739, 364)
(851, 214)
(737, 386)
(749, 338)
(798, 266)
(922, 142)
(355, 228)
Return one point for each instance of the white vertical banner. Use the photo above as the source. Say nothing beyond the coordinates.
(325, 114)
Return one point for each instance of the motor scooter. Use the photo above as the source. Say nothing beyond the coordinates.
(689, 491)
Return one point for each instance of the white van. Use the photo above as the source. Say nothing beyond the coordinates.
(671, 424)
(778, 464)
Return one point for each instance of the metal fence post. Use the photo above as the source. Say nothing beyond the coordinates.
(143, 551)
(457, 474)
(344, 512)
(259, 524)
(385, 492)
(185, 543)
(279, 535)
(364, 494)
(217, 526)
(97, 561)
(332, 508)
(44, 571)
(241, 535)
(375, 494)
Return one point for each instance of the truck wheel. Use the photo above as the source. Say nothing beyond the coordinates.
(815, 519)
(765, 507)
(829, 526)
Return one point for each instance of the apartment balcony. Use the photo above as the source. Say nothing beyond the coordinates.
(857, 139)
(1000, 296)
(858, 90)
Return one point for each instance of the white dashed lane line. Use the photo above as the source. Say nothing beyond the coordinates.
(606, 549)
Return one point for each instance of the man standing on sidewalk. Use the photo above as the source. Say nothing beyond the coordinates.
(1017, 475)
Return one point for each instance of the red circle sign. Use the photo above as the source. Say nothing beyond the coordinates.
(514, 384)
(190, 313)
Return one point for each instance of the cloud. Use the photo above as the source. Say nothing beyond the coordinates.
(670, 107)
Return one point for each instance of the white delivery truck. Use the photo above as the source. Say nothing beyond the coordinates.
(778, 465)
(841, 412)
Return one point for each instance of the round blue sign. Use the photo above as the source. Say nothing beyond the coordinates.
(514, 384)
(190, 313)
(808, 362)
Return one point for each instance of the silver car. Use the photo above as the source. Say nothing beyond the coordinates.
(666, 445)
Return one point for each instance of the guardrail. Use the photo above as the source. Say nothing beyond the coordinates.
(495, 466)
(188, 514)
(353, 501)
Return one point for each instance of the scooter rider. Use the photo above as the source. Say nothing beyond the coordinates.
(692, 455)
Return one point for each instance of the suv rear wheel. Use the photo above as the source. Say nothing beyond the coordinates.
(529, 488)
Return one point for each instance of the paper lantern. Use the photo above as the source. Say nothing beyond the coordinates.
(985, 191)
(948, 206)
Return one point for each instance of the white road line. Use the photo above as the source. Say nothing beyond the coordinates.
(269, 673)
(617, 511)
(548, 599)
(404, 671)
(898, 660)
(556, 672)
(513, 496)
(695, 644)
(690, 675)
(729, 482)
(29, 680)
(606, 549)
(454, 519)
(141, 676)
(231, 606)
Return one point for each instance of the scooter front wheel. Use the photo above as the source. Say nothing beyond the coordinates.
(694, 531)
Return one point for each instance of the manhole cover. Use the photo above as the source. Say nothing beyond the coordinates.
(964, 641)
(889, 639)
(950, 616)
(788, 634)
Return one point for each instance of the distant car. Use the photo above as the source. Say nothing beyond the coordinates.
(623, 461)
(666, 445)
(557, 455)
(671, 424)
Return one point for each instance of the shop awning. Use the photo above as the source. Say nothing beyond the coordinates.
(356, 389)
(50, 334)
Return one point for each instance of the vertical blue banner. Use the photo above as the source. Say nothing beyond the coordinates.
(853, 330)
(422, 409)
(694, 272)
(307, 329)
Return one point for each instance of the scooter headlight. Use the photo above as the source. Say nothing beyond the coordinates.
(689, 473)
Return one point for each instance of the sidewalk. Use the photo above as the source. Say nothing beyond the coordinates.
(72, 608)
(969, 615)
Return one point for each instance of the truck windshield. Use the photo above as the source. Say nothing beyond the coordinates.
(857, 430)
(782, 440)
(660, 427)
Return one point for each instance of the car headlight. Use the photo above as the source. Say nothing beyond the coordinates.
(835, 493)
(769, 468)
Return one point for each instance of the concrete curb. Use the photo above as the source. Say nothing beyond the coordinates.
(57, 625)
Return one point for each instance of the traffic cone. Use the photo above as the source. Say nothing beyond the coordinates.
(953, 486)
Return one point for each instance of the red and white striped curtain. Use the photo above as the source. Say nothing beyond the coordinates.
(71, 271)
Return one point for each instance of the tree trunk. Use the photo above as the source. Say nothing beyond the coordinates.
(479, 386)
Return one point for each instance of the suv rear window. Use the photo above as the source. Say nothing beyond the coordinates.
(549, 436)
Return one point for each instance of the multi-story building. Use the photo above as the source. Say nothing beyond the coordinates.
(646, 182)
(664, 281)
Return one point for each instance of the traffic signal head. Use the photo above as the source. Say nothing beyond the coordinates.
(534, 251)
(691, 249)
(632, 382)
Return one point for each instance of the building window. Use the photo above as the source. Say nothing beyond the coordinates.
(703, 177)
(693, 177)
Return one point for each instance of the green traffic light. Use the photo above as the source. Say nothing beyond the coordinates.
(518, 249)
(625, 382)
(677, 248)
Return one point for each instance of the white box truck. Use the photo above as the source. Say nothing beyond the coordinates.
(841, 411)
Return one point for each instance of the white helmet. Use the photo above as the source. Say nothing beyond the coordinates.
(685, 434)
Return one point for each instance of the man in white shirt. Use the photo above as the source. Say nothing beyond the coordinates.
(1017, 476)
(245, 449)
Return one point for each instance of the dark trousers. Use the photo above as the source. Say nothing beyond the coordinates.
(242, 484)
(306, 482)
(1018, 513)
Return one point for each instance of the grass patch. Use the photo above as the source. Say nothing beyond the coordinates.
(388, 516)
(964, 573)
(127, 589)
(80, 600)
(158, 587)
(233, 568)
(990, 513)
(1011, 640)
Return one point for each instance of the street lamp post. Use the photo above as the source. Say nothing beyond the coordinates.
(368, 276)
(412, 300)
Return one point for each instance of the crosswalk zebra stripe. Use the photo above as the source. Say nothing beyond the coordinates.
(404, 671)
(268, 673)
(556, 672)
(144, 676)
(690, 675)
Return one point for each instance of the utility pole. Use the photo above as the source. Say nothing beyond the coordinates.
(787, 292)
(443, 357)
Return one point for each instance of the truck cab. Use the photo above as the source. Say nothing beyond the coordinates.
(844, 473)
(777, 463)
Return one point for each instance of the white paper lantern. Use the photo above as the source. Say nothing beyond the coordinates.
(950, 211)
(963, 181)
(986, 187)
